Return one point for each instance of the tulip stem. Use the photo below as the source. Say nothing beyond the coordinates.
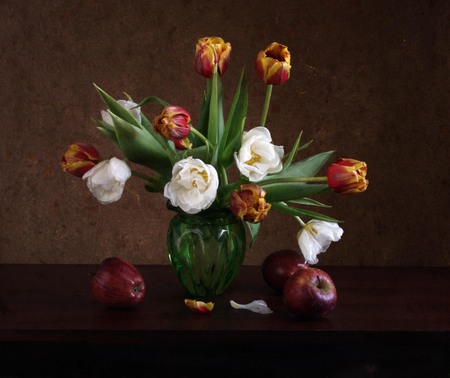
(295, 216)
(142, 175)
(203, 139)
(300, 221)
(294, 179)
(266, 104)
(223, 175)
(147, 178)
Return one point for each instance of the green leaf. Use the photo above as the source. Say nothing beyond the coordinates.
(116, 108)
(110, 134)
(213, 120)
(288, 191)
(309, 202)
(305, 146)
(202, 126)
(140, 147)
(293, 153)
(152, 99)
(150, 187)
(167, 146)
(104, 125)
(308, 167)
(254, 229)
(294, 211)
(147, 124)
(232, 136)
(197, 152)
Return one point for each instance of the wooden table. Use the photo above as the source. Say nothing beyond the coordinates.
(388, 322)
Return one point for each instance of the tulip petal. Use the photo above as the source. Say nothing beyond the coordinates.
(199, 306)
(259, 306)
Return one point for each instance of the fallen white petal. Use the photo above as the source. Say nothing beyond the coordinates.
(258, 306)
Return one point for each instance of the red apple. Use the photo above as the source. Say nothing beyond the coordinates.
(310, 293)
(279, 266)
(117, 283)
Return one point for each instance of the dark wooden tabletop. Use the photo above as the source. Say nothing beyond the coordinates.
(380, 311)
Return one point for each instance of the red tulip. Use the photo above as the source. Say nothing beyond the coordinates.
(79, 158)
(347, 176)
(173, 123)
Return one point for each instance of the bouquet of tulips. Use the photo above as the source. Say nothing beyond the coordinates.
(189, 164)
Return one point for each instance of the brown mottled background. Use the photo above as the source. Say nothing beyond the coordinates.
(370, 79)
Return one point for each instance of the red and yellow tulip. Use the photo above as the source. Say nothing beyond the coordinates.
(273, 65)
(347, 176)
(209, 52)
(79, 158)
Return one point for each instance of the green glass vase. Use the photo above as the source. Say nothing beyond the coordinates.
(206, 250)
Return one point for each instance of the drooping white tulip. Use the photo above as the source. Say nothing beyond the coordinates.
(315, 237)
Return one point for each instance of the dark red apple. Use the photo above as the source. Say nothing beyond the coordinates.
(310, 293)
(279, 266)
(117, 283)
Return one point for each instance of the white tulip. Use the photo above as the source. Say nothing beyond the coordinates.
(106, 180)
(257, 156)
(136, 113)
(315, 237)
(193, 186)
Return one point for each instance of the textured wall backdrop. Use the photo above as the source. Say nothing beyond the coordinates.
(370, 79)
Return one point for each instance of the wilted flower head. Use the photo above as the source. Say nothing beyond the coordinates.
(211, 51)
(347, 176)
(106, 180)
(79, 158)
(315, 237)
(249, 204)
(273, 65)
(173, 123)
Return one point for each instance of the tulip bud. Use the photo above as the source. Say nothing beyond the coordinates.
(173, 123)
(249, 203)
(209, 52)
(347, 176)
(273, 65)
(79, 158)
